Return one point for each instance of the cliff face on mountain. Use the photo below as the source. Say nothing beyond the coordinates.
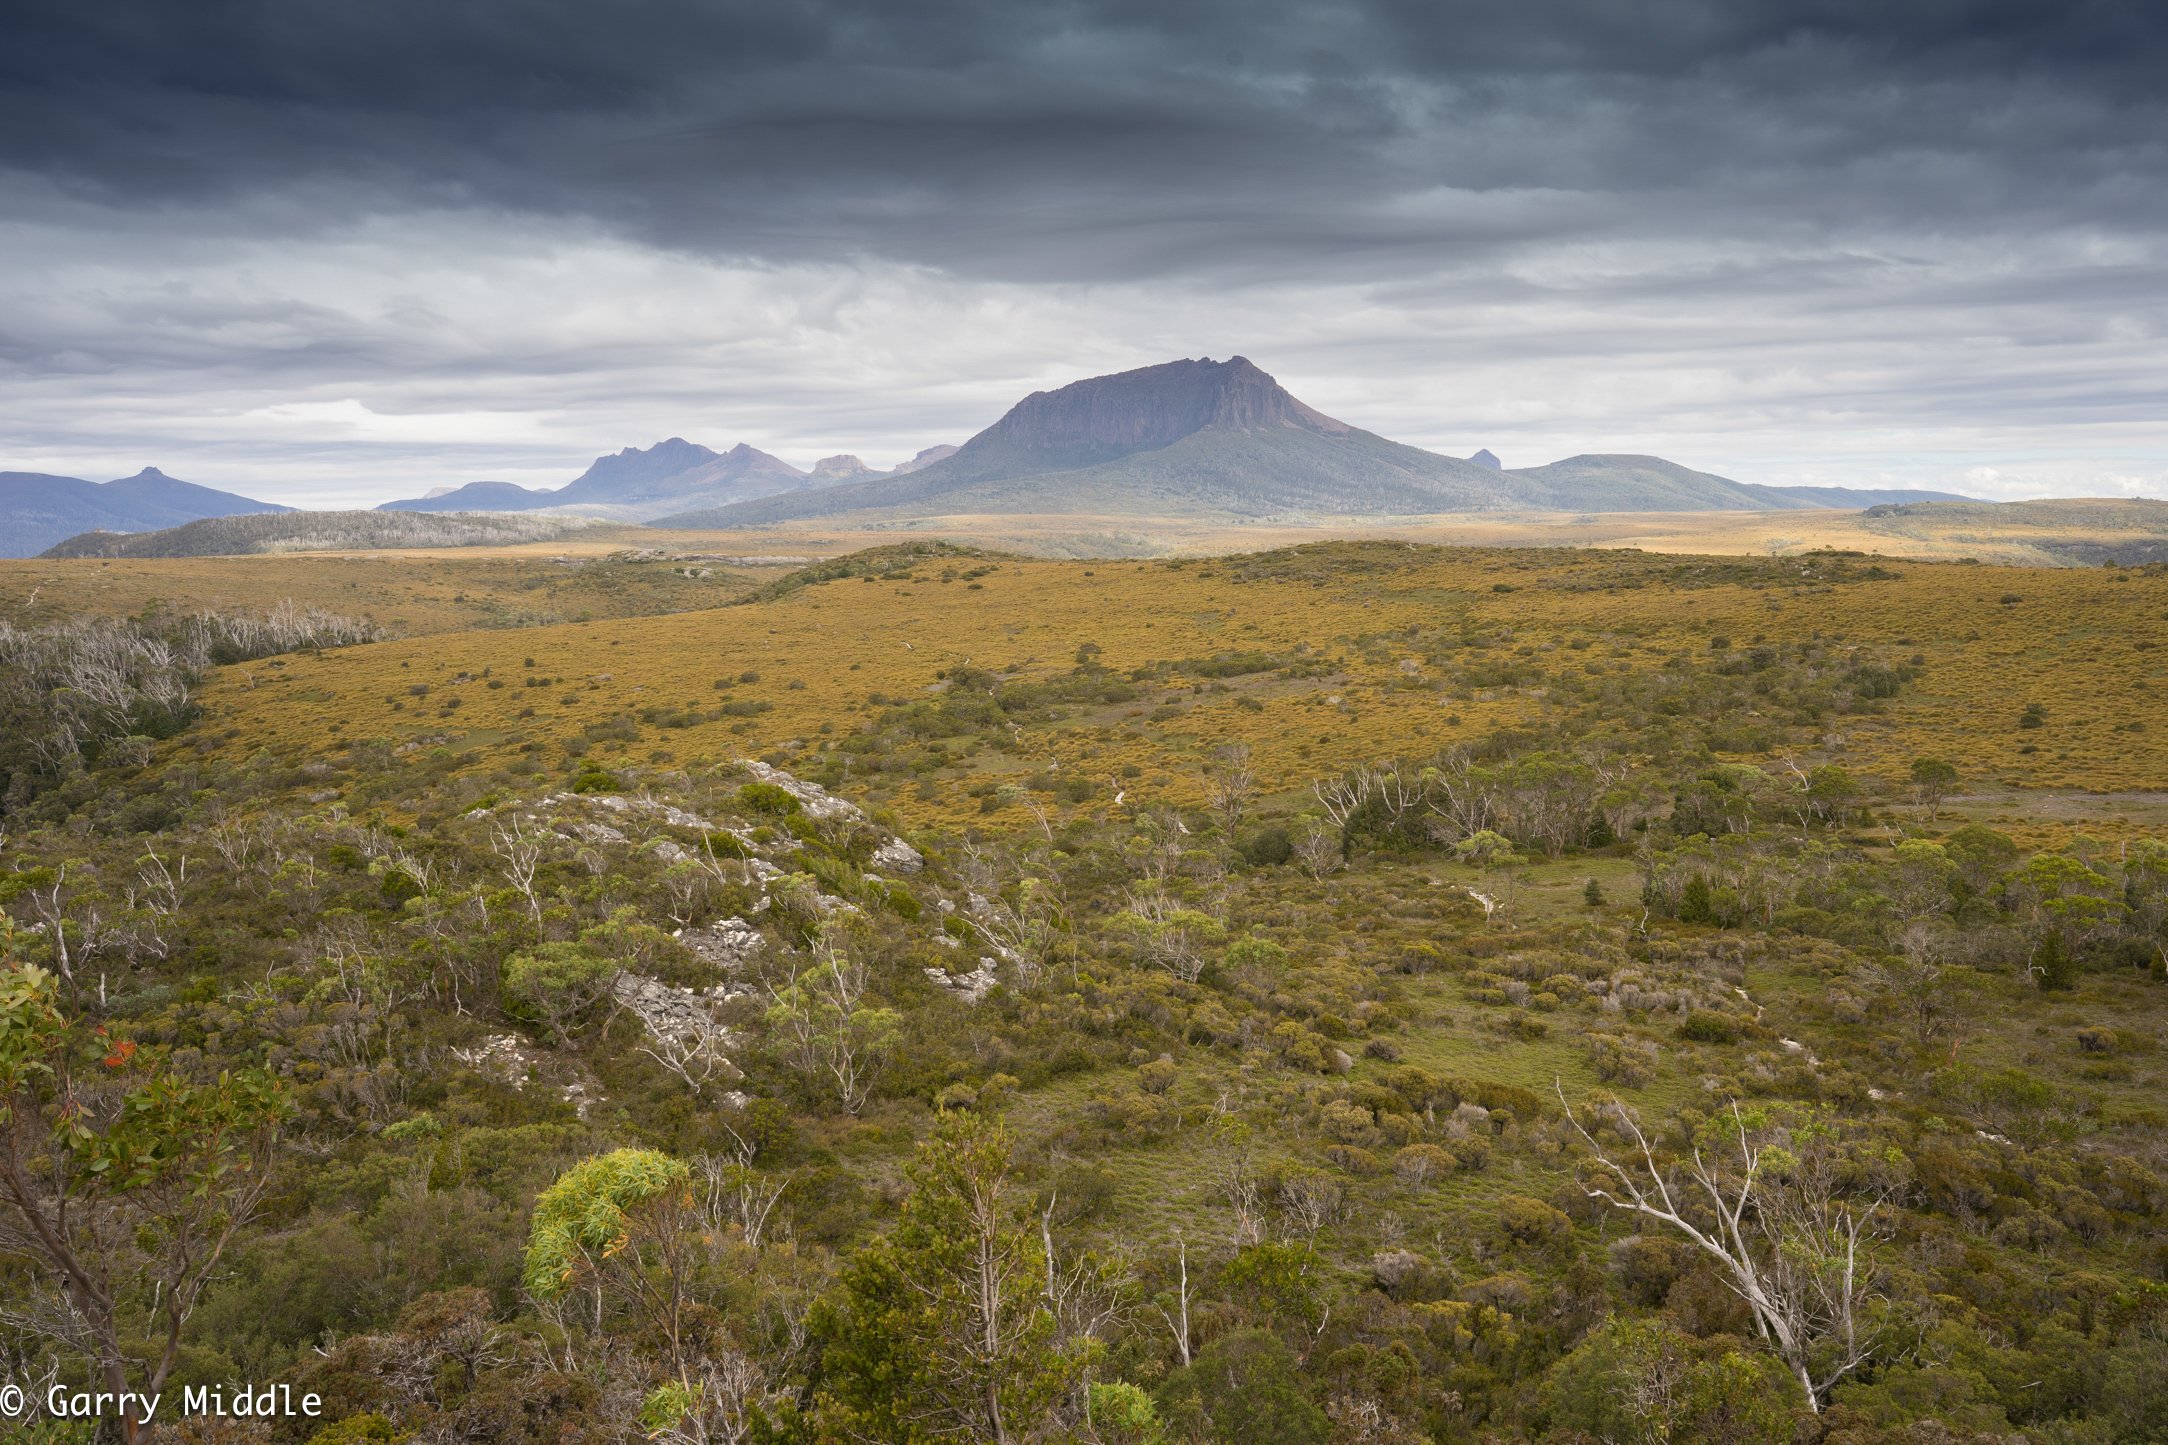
(926, 458)
(842, 467)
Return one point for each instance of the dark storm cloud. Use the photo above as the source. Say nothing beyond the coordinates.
(1102, 141)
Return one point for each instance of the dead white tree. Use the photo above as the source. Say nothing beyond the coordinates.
(1169, 933)
(693, 1048)
(522, 855)
(1342, 797)
(1460, 796)
(726, 1387)
(1177, 1319)
(1400, 791)
(1235, 1177)
(1791, 1240)
(1318, 851)
(1016, 901)
(235, 840)
(733, 1192)
(161, 883)
(50, 906)
(1090, 1296)
(1230, 783)
(1311, 1199)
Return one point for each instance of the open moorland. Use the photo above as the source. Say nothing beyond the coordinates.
(2028, 534)
(1307, 657)
(1360, 991)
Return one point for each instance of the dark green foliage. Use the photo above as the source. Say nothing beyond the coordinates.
(1647, 1381)
(938, 1327)
(768, 799)
(593, 777)
(1704, 1026)
(1246, 1388)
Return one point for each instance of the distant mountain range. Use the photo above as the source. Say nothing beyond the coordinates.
(1222, 438)
(1201, 438)
(38, 510)
(676, 475)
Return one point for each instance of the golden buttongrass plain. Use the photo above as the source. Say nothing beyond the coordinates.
(2084, 644)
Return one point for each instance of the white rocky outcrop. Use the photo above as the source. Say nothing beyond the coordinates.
(729, 945)
(509, 1060)
(898, 856)
(970, 987)
(670, 1012)
(685, 1025)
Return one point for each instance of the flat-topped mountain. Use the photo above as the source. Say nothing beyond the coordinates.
(1107, 418)
(1184, 437)
(1223, 438)
(38, 509)
(841, 468)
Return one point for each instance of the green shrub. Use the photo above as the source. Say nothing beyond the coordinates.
(1531, 1221)
(1705, 1026)
(369, 1429)
(768, 799)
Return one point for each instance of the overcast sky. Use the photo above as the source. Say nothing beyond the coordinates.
(333, 253)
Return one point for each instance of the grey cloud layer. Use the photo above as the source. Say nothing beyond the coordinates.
(1922, 219)
(1112, 139)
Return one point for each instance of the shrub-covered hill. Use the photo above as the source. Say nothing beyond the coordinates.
(2094, 531)
(320, 532)
(1182, 1032)
(408, 591)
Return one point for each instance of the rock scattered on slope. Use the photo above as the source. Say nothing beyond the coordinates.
(729, 945)
(509, 1060)
(688, 1018)
(898, 856)
(970, 987)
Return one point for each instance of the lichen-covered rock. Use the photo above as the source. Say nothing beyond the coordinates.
(970, 987)
(898, 856)
(511, 1061)
(668, 1011)
(670, 813)
(730, 944)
